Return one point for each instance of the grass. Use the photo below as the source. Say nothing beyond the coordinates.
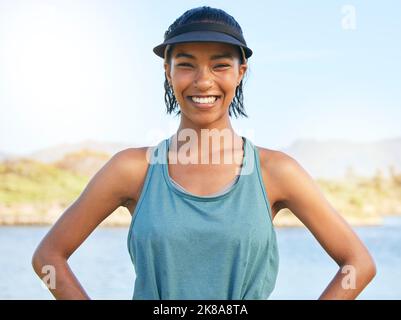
(29, 181)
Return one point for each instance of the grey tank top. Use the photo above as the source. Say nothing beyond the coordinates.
(187, 246)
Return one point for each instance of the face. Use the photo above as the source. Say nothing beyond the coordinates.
(204, 77)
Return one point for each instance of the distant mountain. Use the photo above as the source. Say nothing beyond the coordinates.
(58, 152)
(7, 156)
(84, 162)
(322, 159)
(334, 158)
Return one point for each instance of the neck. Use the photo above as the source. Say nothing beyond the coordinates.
(206, 139)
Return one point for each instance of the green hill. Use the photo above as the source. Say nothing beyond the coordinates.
(29, 181)
(35, 192)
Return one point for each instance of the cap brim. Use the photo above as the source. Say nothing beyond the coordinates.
(201, 36)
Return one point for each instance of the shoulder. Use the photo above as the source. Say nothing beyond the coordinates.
(129, 168)
(131, 158)
(279, 170)
(276, 162)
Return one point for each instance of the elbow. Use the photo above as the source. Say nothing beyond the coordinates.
(371, 269)
(38, 261)
(365, 268)
(45, 258)
(42, 259)
(368, 268)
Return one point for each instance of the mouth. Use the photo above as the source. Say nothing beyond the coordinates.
(204, 102)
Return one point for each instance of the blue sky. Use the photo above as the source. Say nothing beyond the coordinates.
(77, 70)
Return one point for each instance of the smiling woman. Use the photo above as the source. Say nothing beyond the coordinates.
(191, 69)
(204, 230)
(225, 39)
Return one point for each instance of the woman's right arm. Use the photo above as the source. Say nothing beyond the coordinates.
(112, 186)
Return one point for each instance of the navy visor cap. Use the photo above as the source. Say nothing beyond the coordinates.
(204, 32)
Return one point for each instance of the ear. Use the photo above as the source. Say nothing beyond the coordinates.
(167, 69)
(242, 70)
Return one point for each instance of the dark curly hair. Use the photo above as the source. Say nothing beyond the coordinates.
(204, 14)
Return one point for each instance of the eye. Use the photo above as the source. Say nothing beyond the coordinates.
(184, 65)
(222, 66)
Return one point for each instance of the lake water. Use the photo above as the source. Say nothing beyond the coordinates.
(103, 266)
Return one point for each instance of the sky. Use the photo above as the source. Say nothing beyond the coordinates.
(73, 70)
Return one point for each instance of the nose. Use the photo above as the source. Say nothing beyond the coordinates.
(203, 79)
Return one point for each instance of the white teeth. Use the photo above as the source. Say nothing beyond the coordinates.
(204, 100)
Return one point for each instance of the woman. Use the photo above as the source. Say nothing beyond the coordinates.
(201, 228)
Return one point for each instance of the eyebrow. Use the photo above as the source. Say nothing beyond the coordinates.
(214, 57)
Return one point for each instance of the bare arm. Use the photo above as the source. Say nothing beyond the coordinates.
(303, 197)
(111, 187)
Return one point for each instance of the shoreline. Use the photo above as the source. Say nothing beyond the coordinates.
(25, 215)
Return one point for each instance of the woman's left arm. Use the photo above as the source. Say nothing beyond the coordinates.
(303, 197)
